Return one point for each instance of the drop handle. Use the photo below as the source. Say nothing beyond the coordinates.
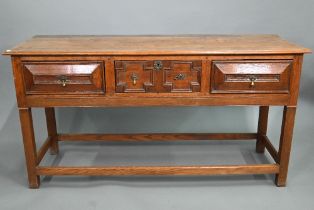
(252, 79)
(134, 78)
(63, 80)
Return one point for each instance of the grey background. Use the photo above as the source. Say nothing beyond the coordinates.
(291, 19)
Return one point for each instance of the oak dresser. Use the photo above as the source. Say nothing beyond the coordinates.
(183, 70)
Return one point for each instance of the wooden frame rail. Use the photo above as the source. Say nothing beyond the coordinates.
(271, 168)
(270, 148)
(160, 170)
(157, 137)
(43, 150)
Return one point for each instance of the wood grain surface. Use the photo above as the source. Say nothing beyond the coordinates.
(159, 170)
(156, 45)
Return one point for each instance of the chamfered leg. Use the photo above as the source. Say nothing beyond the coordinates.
(262, 128)
(52, 129)
(285, 144)
(29, 146)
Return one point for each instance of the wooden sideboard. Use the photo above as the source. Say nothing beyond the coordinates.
(184, 70)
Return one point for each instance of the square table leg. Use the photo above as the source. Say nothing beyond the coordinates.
(262, 128)
(52, 129)
(29, 146)
(285, 144)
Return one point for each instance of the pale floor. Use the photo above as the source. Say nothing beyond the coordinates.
(224, 192)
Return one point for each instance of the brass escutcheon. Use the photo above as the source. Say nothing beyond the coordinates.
(158, 65)
(63, 80)
(252, 79)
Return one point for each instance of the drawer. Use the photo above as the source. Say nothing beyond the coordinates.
(158, 76)
(251, 76)
(63, 77)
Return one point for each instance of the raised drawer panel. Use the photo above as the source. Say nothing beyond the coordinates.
(63, 77)
(182, 76)
(158, 76)
(135, 76)
(251, 76)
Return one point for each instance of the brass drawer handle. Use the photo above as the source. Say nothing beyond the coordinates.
(134, 78)
(158, 65)
(252, 79)
(179, 77)
(63, 80)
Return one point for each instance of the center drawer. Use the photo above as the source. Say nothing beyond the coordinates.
(157, 76)
(75, 77)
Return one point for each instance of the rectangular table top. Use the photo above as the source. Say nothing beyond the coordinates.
(155, 45)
